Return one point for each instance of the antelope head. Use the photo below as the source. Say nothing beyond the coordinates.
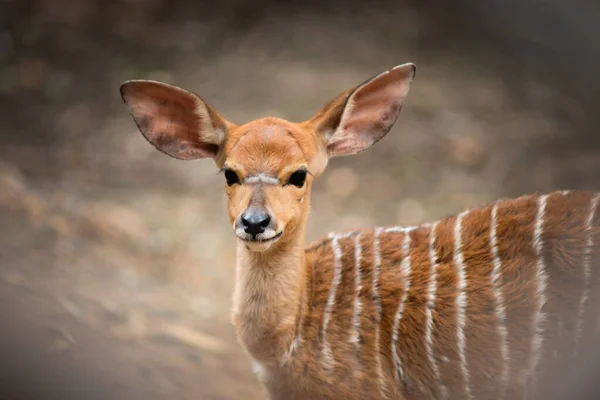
(269, 164)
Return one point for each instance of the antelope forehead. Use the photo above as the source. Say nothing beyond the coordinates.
(263, 154)
(273, 133)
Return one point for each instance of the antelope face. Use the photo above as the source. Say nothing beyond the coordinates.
(269, 163)
(268, 168)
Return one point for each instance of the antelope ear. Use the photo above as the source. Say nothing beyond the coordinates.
(175, 121)
(359, 117)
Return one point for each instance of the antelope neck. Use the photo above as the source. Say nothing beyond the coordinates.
(268, 295)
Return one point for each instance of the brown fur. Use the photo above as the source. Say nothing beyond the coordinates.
(285, 292)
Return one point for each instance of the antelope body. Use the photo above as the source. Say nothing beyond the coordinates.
(496, 302)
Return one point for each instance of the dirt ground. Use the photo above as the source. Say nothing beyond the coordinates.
(116, 262)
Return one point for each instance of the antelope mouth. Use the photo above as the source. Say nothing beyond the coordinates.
(267, 236)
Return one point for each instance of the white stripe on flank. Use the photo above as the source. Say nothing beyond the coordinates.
(342, 235)
(405, 267)
(429, 307)
(337, 272)
(541, 280)
(587, 261)
(461, 301)
(399, 229)
(298, 339)
(377, 300)
(355, 335)
(499, 300)
(293, 347)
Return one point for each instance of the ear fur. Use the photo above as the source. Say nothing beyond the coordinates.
(177, 122)
(358, 118)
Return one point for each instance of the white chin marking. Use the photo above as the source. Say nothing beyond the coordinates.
(263, 242)
(258, 246)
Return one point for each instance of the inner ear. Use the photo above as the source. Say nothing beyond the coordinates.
(177, 122)
(360, 117)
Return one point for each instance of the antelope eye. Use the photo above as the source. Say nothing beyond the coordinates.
(297, 178)
(231, 177)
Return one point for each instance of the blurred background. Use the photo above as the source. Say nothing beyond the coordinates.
(116, 261)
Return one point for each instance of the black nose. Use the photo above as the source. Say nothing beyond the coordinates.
(255, 221)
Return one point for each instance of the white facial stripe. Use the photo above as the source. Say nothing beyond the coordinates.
(262, 178)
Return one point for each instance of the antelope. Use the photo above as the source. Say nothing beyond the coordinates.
(496, 302)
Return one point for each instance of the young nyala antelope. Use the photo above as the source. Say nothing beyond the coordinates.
(498, 302)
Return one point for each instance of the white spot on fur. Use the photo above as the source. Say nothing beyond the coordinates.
(499, 299)
(260, 371)
(461, 300)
